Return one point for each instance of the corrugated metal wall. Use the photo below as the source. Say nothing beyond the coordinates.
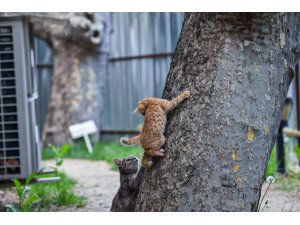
(141, 49)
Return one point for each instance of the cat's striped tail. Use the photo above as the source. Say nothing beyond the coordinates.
(130, 141)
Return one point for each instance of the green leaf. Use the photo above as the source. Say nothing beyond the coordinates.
(297, 150)
(26, 189)
(59, 161)
(18, 187)
(31, 199)
(29, 178)
(11, 208)
(54, 149)
(64, 150)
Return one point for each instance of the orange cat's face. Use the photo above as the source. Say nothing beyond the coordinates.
(141, 108)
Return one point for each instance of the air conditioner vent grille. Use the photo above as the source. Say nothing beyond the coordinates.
(9, 136)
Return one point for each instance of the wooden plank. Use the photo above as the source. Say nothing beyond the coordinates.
(294, 133)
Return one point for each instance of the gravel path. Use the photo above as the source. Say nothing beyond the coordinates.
(98, 184)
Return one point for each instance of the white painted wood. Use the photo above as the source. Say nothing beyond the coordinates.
(88, 143)
(80, 129)
(83, 130)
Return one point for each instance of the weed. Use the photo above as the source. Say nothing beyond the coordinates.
(270, 180)
(57, 194)
(59, 154)
(25, 202)
(49, 194)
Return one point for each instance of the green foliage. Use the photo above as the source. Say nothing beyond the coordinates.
(60, 193)
(25, 201)
(57, 194)
(297, 150)
(286, 183)
(271, 168)
(290, 182)
(59, 153)
(102, 151)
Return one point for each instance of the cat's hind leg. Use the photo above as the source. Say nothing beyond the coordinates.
(146, 161)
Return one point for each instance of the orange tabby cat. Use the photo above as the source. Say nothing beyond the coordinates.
(151, 137)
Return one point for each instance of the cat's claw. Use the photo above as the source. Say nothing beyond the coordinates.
(149, 164)
(161, 152)
(187, 93)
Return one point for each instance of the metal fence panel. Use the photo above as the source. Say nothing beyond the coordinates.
(139, 64)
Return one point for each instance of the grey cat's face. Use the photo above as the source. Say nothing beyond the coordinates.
(127, 165)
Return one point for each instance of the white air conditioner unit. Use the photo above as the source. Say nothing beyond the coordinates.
(19, 139)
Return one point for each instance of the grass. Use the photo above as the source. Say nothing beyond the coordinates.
(57, 194)
(290, 182)
(109, 151)
(271, 168)
(297, 150)
(102, 151)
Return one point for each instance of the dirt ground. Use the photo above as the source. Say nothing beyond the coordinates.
(97, 183)
(281, 201)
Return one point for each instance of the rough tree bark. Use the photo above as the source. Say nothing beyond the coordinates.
(238, 67)
(80, 44)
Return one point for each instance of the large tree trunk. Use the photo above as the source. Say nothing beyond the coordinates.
(79, 42)
(238, 67)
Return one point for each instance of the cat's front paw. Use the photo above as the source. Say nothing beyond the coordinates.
(161, 153)
(124, 141)
(186, 94)
(149, 164)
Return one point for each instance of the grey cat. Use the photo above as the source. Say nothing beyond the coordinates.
(130, 180)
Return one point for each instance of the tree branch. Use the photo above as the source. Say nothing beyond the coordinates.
(84, 29)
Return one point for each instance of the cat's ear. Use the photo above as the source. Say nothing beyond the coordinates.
(142, 106)
(118, 162)
(136, 110)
